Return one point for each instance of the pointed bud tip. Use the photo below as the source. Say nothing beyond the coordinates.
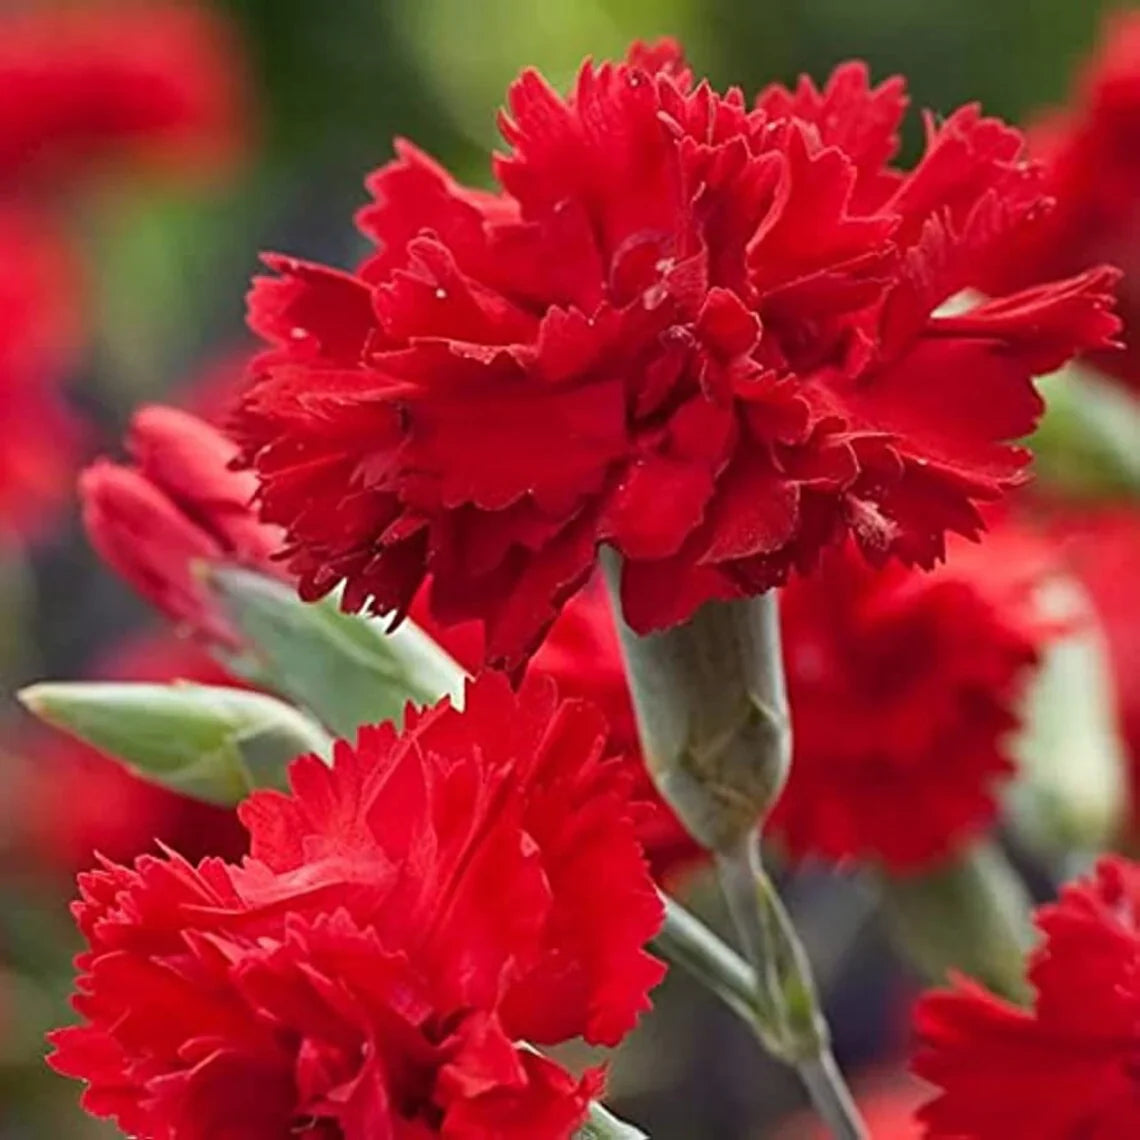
(40, 698)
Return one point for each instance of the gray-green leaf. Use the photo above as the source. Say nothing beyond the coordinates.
(346, 669)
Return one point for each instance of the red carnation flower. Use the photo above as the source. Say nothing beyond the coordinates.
(706, 335)
(83, 83)
(404, 919)
(1092, 168)
(1102, 545)
(1067, 1069)
(74, 803)
(180, 504)
(904, 689)
(40, 284)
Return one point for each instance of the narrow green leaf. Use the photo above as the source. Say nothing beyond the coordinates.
(215, 744)
(1071, 792)
(347, 670)
(1089, 439)
(970, 914)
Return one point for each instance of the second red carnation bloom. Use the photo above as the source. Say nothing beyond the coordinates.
(405, 918)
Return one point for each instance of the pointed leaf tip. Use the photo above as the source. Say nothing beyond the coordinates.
(347, 669)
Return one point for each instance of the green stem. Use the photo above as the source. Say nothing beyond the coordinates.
(831, 1097)
(712, 714)
(686, 942)
(740, 874)
(971, 913)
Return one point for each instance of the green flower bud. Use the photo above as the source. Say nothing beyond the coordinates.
(212, 743)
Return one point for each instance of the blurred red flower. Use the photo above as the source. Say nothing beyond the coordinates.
(403, 920)
(904, 689)
(85, 85)
(706, 335)
(41, 286)
(179, 504)
(1067, 1069)
(1090, 151)
(159, 83)
(75, 803)
(1102, 546)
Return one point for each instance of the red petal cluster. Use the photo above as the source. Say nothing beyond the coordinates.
(40, 287)
(179, 504)
(1102, 546)
(582, 655)
(405, 918)
(706, 334)
(72, 802)
(1092, 168)
(904, 690)
(86, 83)
(1069, 1069)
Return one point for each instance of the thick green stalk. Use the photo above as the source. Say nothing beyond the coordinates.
(712, 714)
(686, 942)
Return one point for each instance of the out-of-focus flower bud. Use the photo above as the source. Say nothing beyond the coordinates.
(177, 505)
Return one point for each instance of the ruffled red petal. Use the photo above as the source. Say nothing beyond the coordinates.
(1065, 1068)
